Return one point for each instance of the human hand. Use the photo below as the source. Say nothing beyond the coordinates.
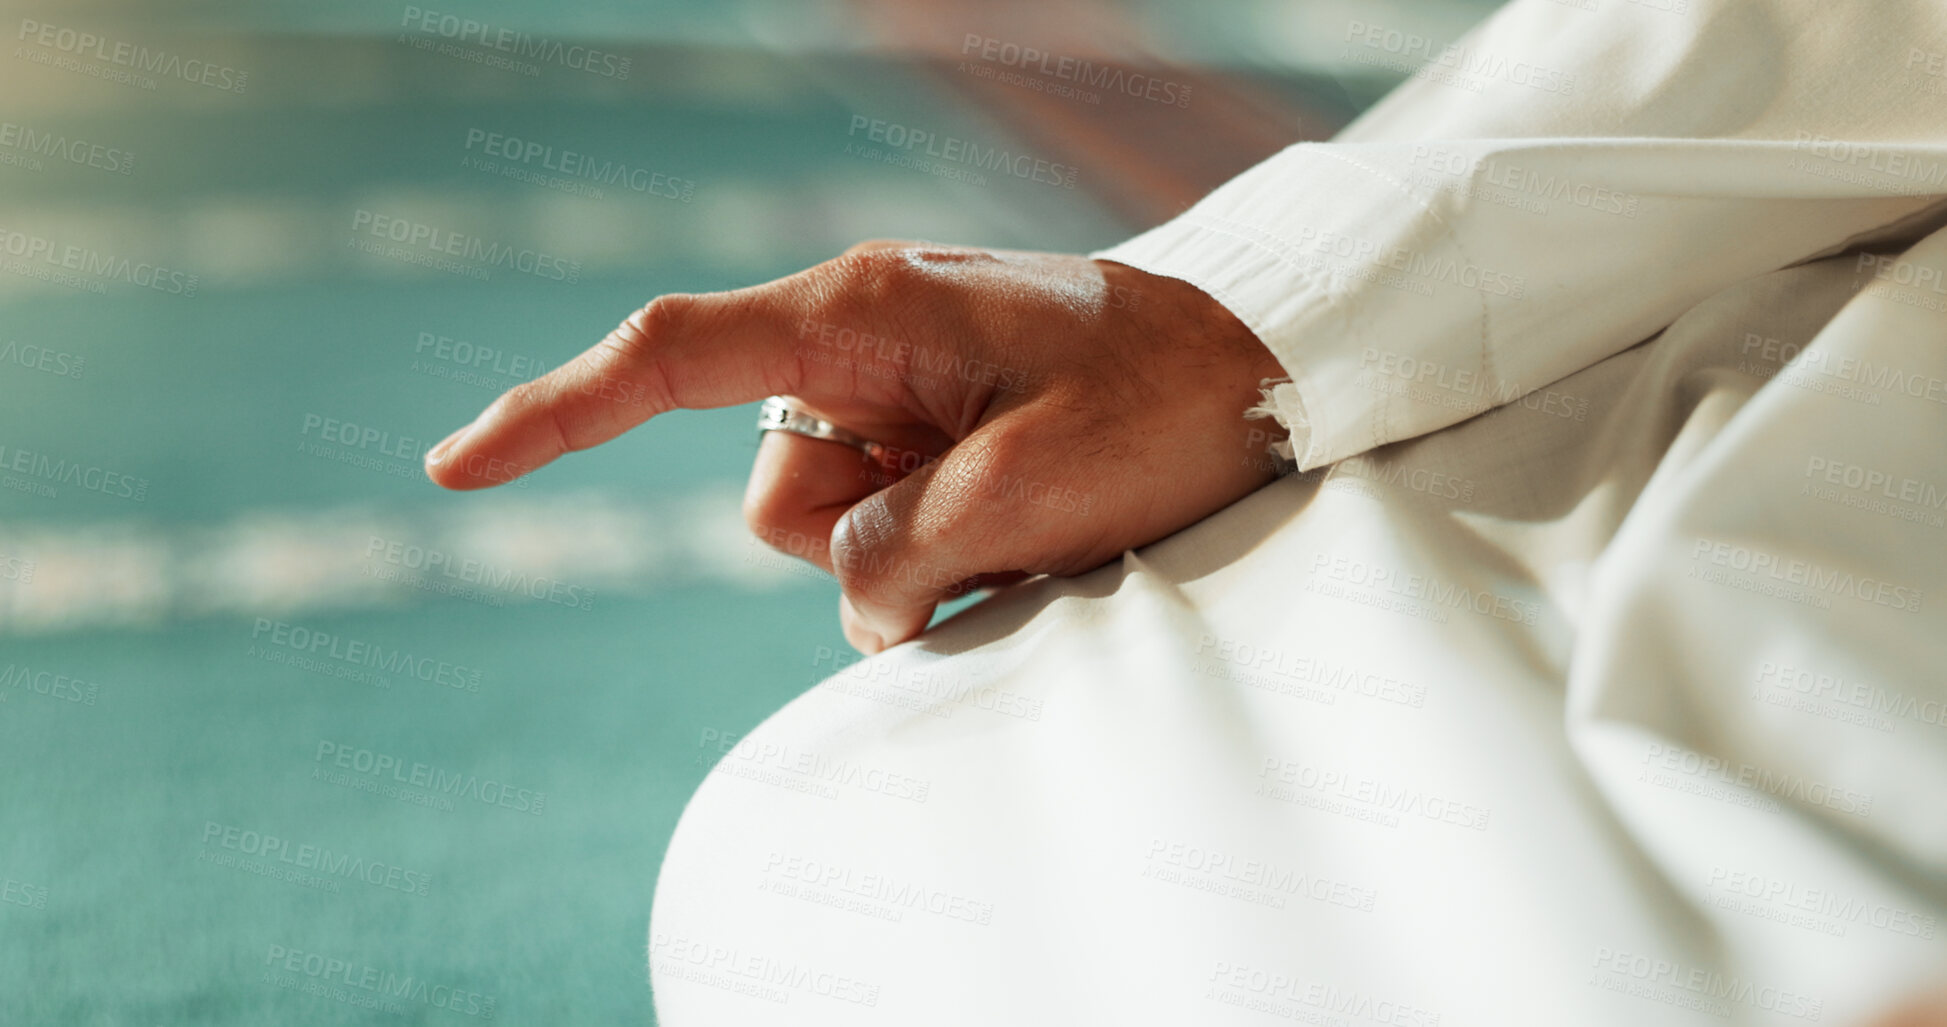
(1041, 414)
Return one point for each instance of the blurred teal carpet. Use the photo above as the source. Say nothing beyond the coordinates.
(152, 737)
(441, 854)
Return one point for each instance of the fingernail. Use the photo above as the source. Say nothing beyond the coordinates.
(438, 453)
(868, 641)
(874, 637)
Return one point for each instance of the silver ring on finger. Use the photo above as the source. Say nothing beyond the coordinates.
(780, 414)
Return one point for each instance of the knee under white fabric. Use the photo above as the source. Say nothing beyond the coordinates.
(1620, 704)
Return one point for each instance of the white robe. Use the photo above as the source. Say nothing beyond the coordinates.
(1623, 703)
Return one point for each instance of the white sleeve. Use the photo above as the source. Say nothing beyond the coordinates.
(1555, 188)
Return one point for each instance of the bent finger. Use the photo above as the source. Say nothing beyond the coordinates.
(798, 490)
(947, 529)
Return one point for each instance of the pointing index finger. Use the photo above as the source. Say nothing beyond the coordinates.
(679, 351)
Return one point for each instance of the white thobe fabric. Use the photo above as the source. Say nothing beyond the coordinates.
(1558, 187)
(1619, 703)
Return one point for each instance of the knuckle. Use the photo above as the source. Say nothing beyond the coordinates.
(869, 245)
(985, 459)
(636, 337)
(876, 275)
(967, 522)
(630, 352)
(866, 555)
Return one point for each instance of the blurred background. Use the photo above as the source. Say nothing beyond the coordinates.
(287, 735)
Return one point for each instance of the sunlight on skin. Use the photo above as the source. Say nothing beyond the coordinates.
(1067, 410)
